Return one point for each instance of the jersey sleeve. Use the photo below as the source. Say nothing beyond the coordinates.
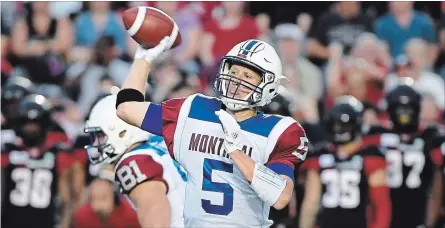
(137, 167)
(65, 157)
(161, 119)
(291, 149)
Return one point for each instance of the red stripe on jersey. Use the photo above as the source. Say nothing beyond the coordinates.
(372, 164)
(290, 141)
(152, 170)
(437, 157)
(64, 161)
(170, 115)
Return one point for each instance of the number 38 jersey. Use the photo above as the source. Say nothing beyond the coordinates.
(31, 185)
(411, 164)
(217, 193)
(344, 181)
(151, 162)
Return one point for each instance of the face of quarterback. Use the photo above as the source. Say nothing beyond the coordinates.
(102, 198)
(245, 80)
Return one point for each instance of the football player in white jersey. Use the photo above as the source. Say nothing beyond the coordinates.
(239, 161)
(143, 168)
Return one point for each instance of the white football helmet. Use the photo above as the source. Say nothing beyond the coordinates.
(110, 136)
(259, 56)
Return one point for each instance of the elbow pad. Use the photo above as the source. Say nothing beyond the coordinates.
(126, 95)
(267, 184)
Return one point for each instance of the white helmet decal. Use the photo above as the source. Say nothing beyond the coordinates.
(256, 55)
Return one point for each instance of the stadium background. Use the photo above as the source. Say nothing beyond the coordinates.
(74, 52)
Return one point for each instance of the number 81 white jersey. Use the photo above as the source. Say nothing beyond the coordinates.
(151, 162)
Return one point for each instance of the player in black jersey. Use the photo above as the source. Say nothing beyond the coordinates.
(34, 172)
(13, 91)
(343, 176)
(413, 163)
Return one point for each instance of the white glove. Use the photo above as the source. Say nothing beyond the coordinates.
(151, 54)
(232, 131)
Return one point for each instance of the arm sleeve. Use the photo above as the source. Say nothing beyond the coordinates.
(137, 167)
(382, 207)
(379, 195)
(290, 149)
(161, 119)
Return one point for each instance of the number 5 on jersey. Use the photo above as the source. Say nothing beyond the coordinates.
(208, 185)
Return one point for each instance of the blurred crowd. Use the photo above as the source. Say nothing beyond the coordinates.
(74, 52)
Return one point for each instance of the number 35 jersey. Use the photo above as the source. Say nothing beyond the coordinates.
(344, 185)
(151, 162)
(31, 185)
(217, 193)
(411, 164)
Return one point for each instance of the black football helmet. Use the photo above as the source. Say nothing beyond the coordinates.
(343, 121)
(403, 105)
(15, 89)
(33, 120)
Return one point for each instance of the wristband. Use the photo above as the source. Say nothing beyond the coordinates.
(267, 184)
(126, 95)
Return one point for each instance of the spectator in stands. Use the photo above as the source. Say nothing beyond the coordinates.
(414, 65)
(6, 66)
(305, 79)
(105, 207)
(360, 74)
(403, 23)
(440, 63)
(304, 21)
(224, 33)
(40, 41)
(263, 23)
(430, 111)
(99, 20)
(104, 64)
(343, 25)
(190, 26)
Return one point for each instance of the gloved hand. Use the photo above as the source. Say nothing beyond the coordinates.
(151, 54)
(232, 131)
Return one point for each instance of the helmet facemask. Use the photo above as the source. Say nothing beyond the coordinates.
(99, 149)
(229, 86)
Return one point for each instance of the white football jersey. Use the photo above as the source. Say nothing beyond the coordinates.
(217, 193)
(151, 161)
